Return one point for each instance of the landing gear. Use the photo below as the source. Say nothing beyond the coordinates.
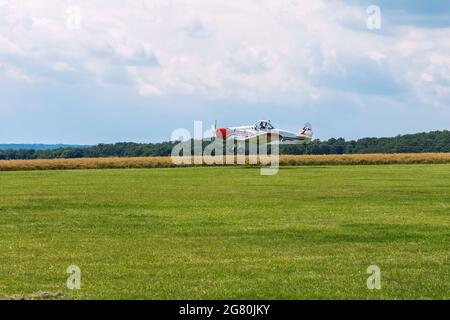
(235, 148)
(230, 149)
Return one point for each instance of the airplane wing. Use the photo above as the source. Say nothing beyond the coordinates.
(270, 137)
(288, 140)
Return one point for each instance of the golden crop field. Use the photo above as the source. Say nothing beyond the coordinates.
(165, 162)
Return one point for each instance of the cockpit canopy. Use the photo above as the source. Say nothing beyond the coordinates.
(263, 125)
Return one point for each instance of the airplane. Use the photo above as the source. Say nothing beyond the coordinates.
(263, 128)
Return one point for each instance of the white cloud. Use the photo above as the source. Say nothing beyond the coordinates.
(62, 67)
(252, 50)
(376, 56)
(16, 74)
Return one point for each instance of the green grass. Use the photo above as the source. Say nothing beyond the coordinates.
(219, 233)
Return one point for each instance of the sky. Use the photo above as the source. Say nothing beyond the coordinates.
(104, 71)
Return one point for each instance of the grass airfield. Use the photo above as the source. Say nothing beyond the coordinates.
(227, 232)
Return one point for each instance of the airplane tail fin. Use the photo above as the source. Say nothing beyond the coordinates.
(307, 130)
(214, 128)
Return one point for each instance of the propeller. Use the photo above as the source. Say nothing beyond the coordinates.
(214, 128)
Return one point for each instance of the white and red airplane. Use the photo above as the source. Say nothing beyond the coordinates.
(264, 129)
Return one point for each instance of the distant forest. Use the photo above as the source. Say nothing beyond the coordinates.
(12, 146)
(436, 141)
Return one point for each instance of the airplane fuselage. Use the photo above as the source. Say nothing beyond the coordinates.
(251, 133)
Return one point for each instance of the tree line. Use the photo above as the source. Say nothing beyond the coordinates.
(436, 141)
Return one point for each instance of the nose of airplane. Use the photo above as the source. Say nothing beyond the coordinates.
(221, 133)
